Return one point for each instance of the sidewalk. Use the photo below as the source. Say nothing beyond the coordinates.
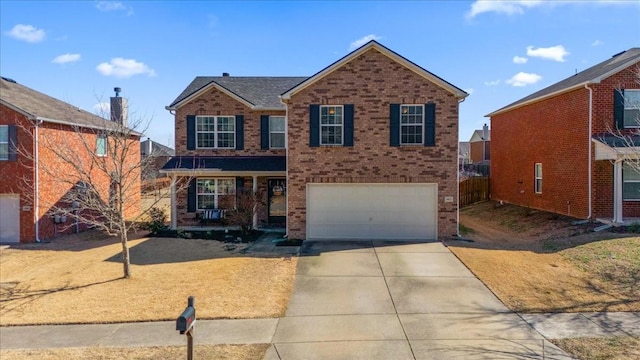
(262, 331)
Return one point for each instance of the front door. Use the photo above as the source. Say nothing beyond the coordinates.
(277, 201)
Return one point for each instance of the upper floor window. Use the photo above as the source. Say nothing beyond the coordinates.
(215, 132)
(4, 142)
(411, 124)
(331, 125)
(538, 178)
(101, 145)
(276, 132)
(631, 108)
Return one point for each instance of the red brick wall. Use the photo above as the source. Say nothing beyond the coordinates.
(479, 151)
(371, 82)
(54, 173)
(553, 132)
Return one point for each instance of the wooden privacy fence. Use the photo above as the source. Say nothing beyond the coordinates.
(473, 190)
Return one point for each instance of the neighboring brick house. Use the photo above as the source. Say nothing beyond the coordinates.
(563, 148)
(480, 146)
(154, 155)
(367, 148)
(30, 172)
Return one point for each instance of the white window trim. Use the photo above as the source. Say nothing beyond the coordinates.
(284, 120)
(216, 194)
(536, 178)
(331, 125)
(624, 109)
(422, 124)
(106, 144)
(5, 142)
(627, 181)
(215, 131)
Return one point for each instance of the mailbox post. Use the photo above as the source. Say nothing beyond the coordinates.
(185, 324)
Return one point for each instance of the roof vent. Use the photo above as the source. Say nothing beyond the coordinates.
(225, 74)
(9, 80)
(620, 53)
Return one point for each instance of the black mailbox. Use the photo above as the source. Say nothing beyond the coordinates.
(187, 319)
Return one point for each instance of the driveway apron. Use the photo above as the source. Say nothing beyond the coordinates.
(397, 300)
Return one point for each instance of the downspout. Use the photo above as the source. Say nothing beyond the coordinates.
(286, 149)
(586, 86)
(36, 185)
(458, 174)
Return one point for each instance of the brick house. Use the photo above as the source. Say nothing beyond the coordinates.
(365, 148)
(480, 146)
(31, 175)
(566, 148)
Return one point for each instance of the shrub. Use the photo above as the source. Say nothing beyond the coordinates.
(158, 219)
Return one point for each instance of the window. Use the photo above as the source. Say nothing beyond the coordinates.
(4, 142)
(411, 124)
(212, 192)
(101, 145)
(331, 125)
(276, 132)
(632, 108)
(538, 178)
(630, 182)
(216, 132)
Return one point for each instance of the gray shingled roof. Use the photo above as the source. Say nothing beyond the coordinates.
(157, 149)
(262, 92)
(594, 73)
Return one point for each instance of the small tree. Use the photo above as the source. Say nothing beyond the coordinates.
(243, 207)
(628, 139)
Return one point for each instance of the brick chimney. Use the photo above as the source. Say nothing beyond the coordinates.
(119, 108)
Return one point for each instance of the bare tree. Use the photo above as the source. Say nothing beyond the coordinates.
(243, 207)
(628, 139)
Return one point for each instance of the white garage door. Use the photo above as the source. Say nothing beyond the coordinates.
(372, 211)
(9, 218)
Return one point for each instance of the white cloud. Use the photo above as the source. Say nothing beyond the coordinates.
(66, 58)
(106, 6)
(520, 60)
(597, 43)
(469, 91)
(28, 33)
(492, 83)
(356, 44)
(555, 53)
(102, 109)
(124, 68)
(523, 79)
(501, 7)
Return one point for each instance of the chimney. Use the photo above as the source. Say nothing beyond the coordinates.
(225, 74)
(149, 146)
(119, 108)
(485, 132)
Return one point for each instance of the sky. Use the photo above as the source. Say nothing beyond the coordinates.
(497, 51)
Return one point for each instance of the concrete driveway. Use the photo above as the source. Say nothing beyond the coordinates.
(390, 300)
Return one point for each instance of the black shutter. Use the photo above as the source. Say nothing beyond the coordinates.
(394, 124)
(239, 184)
(618, 108)
(314, 125)
(191, 196)
(191, 132)
(264, 132)
(13, 143)
(430, 124)
(348, 125)
(239, 132)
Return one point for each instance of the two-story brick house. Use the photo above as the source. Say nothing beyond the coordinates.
(567, 148)
(366, 148)
(34, 177)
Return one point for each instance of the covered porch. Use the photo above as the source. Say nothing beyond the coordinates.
(623, 152)
(202, 185)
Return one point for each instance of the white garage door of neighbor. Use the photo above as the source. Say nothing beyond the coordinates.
(9, 218)
(372, 211)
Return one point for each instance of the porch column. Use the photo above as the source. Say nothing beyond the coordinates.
(617, 191)
(255, 207)
(174, 207)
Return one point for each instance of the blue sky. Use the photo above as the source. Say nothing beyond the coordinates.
(498, 51)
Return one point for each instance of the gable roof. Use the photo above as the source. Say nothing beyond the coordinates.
(256, 92)
(477, 136)
(38, 106)
(592, 75)
(157, 149)
(459, 93)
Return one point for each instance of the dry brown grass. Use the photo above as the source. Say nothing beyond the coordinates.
(221, 352)
(617, 348)
(79, 280)
(538, 262)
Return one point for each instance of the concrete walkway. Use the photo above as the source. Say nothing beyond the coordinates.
(368, 300)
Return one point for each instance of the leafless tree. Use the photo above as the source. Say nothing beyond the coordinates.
(243, 207)
(628, 139)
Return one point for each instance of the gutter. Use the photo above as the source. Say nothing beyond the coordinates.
(460, 100)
